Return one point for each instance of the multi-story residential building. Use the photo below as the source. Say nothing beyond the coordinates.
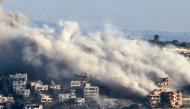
(155, 98)
(164, 81)
(25, 92)
(55, 86)
(91, 92)
(6, 99)
(19, 84)
(66, 96)
(80, 101)
(45, 98)
(19, 81)
(174, 98)
(33, 106)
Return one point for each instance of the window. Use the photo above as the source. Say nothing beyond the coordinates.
(38, 88)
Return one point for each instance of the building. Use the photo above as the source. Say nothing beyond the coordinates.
(155, 97)
(80, 101)
(25, 92)
(45, 98)
(174, 98)
(39, 82)
(75, 83)
(91, 92)
(66, 96)
(55, 86)
(19, 84)
(39, 85)
(33, 106)
(6, 99)
(164, 81)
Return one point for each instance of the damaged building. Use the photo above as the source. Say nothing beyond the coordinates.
(174, 98)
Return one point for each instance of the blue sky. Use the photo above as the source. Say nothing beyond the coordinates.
(135, 15)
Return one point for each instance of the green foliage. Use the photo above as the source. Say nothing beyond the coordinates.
(18, 104)
(4, 85)
(156, 38)
(175, 42)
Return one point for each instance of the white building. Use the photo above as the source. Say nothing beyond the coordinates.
(25, 92)
(33, 106)
(67, 96)
(19, 81)
(39, 85)
(80, 101)
(91, 92)
(45, 98)
(19, 84)
(6, 99)
(55, 86)
(75, 83)
(39, 82)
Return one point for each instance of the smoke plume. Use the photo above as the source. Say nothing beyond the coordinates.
(108, 56)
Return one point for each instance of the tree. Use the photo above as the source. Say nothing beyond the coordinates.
(4, 85)
(156, 38)
(175, 42)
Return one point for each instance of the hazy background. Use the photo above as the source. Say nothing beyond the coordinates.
(135, 15)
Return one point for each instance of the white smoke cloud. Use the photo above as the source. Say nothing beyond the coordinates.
(109, 57)
(2, 1)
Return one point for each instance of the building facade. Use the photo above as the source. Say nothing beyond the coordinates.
(80, 101)
(6, 99)
(66, 96)
(55, 86)
(33, 106)
(174, 98)
(19, 84)
(45, 98)
(91, 92)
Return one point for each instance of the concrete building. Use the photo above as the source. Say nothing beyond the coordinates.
(19, 81)
(174, 98)
(80, 101)
(33, 106)
(75, 83)
(39, 85)
(55, 86)
(39, 82)
(6, 99)
(25, 92)
(91, 92)
(45, 98)
(155, 97)
(164, 81)
(66, 96)
(19, 84)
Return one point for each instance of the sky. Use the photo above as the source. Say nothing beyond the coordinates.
(135, 15)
